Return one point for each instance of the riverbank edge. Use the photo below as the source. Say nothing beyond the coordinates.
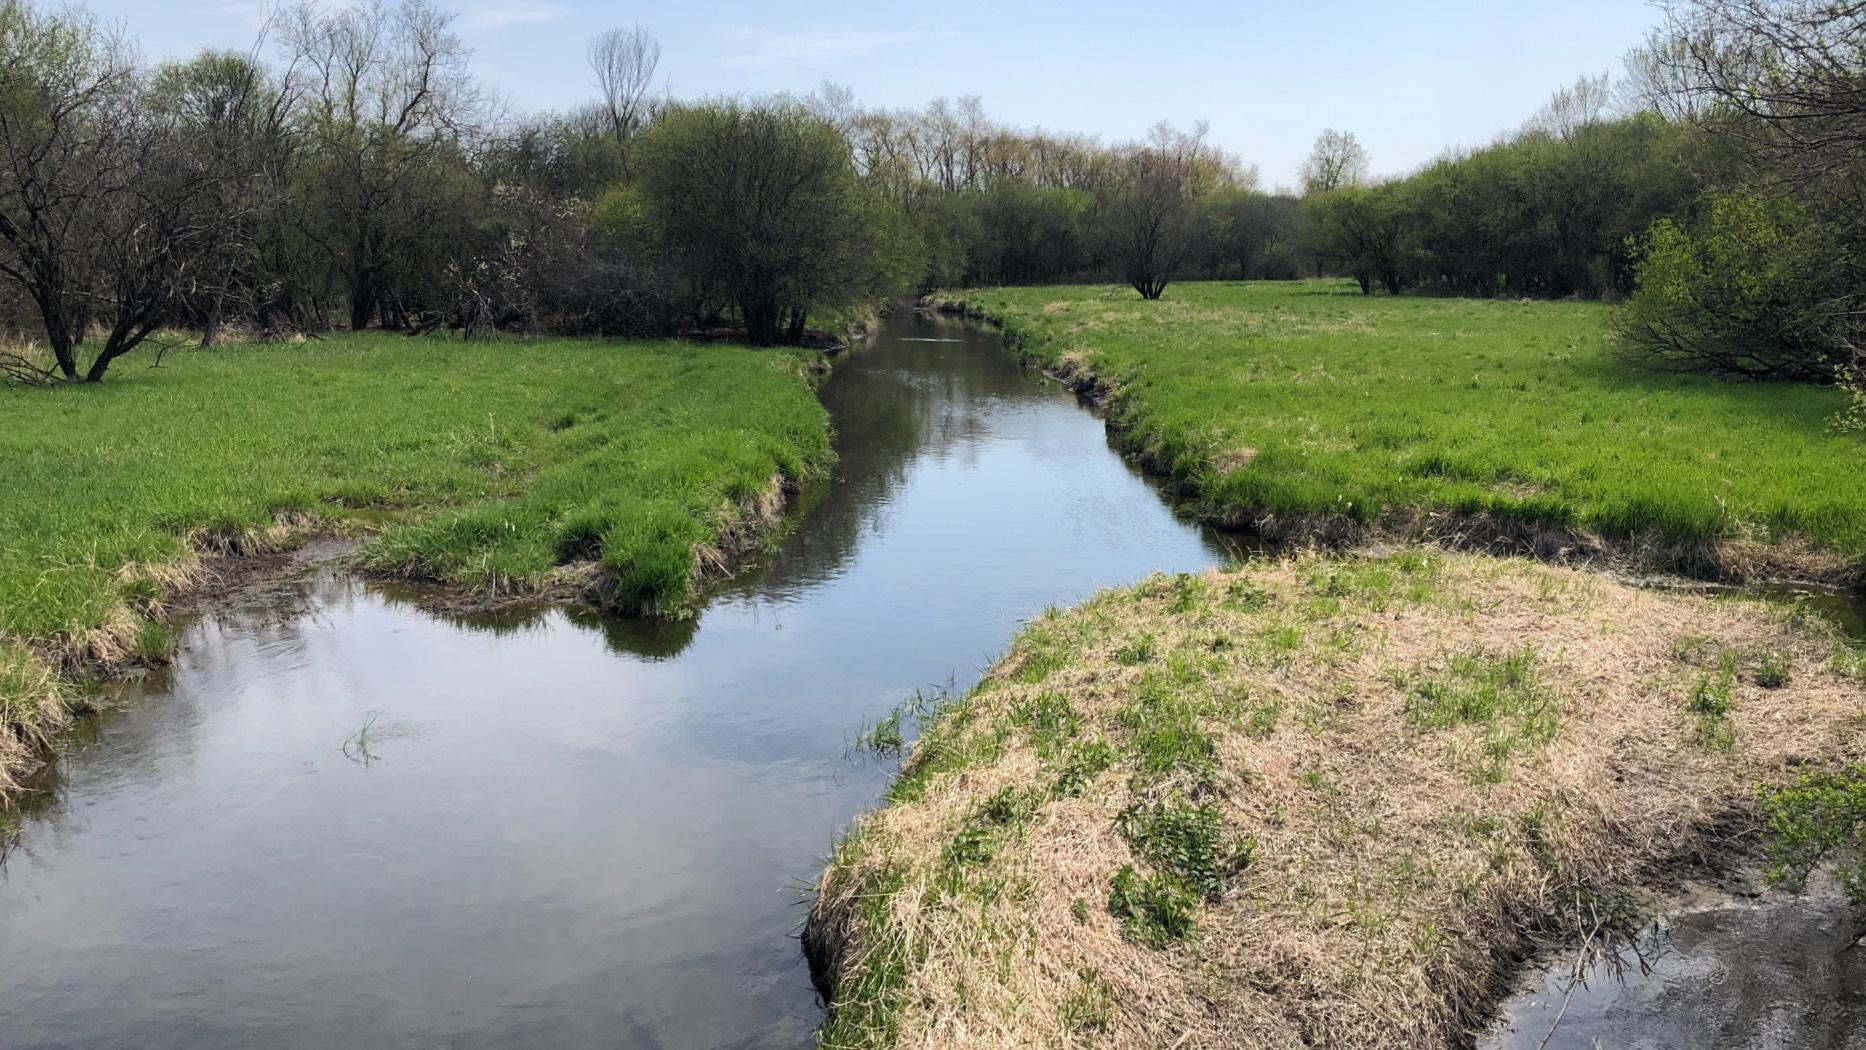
(66, 673)
(1729, 560)
(863, 947)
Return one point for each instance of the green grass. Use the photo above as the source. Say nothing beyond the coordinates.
(1308, 398)
(494, 463)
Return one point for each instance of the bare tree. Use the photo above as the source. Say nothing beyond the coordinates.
(226, 114)
(1653, 82)
(102, 203)
(624, 61)
(1337, 162)
(1573, 108)
(1149, 216)
(62, 81)
(1786, 76)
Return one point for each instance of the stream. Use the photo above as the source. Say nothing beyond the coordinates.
(339, 819)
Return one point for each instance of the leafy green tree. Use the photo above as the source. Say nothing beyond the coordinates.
(760, 204)
(386, 191)
(1362, 232)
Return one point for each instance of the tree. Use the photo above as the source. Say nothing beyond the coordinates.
(63, 85)
(227, 116)
(104, 204)
(761, 205)
(1150, 221)
(1572, 109)
(1255, 232)
(1360, 231)
(1781, 84)
(389, 113)
(624, 61)
(1337, 162)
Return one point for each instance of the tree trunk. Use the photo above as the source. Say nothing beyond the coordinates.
(210, 327)
(60, 341)
(761, 322)
(363, 302)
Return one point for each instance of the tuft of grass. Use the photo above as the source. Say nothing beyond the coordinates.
(1139, 651)
(1711, 698)
(1358, 409)
(155, 642)
(1186, 843)
(1089, 1009)
(1501, 693)
(1772, 671)
(1165, 734)
(1154, 910)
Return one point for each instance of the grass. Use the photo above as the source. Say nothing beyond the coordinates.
(1305, 405)
(1319, 801)
(626, 468)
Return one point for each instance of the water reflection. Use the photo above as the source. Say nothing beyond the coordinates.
(1750, 971)
(585, 830)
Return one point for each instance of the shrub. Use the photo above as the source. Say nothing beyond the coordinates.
(1748, 294)
(1821, 817)
(1853, 417)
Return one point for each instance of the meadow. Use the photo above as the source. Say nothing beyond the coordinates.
(1307, 402)
(489, 466)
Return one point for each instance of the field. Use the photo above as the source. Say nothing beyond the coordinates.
(1319, 801)
(497, 467)
(1307, 407)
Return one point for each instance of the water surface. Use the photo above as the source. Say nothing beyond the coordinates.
(559, 829)
(1768, 970)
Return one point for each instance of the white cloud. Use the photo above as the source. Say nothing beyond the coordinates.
(761, 47)
(509, 13)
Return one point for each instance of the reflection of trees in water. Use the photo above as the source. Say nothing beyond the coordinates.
(641, 637)
(892, 401)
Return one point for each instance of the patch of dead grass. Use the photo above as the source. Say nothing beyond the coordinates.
(1401, 866)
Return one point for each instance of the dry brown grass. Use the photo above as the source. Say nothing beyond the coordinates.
(1405, 860)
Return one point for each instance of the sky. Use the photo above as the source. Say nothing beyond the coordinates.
(1409, 78)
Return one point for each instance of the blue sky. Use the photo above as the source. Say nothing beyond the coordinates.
(1408, 78)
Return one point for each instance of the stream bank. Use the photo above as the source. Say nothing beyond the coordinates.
(1314, 801)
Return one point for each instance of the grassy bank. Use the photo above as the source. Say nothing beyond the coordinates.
(1316, 802)
(617, 471)
(1308, 410)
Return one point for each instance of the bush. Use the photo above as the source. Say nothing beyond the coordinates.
(1749, 294)
(1821, 818)
(1853, 381)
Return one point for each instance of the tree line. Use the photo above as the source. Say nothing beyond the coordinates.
(349, 172)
